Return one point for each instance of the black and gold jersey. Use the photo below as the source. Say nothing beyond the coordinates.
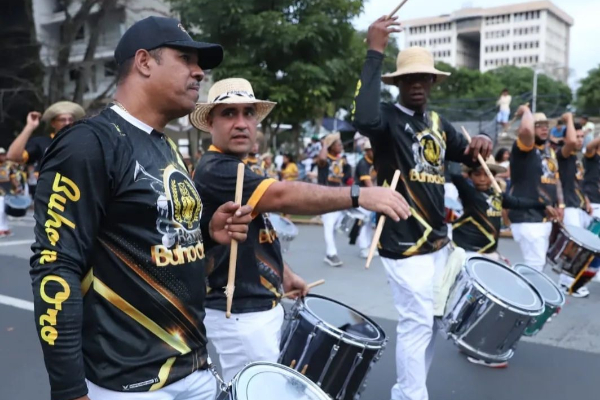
(36, 147)
(259, 273)
(365, 171)
(331, 173)
(591, 178)
(7, 174)
(478, 227)
(118, 260)
(533, 175)
(571, 177)
(417, 145)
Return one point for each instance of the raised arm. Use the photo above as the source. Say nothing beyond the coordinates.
(570, 136)
(17, 148)
(72, 195)
(592, 148)
(366, 111)
(526, 132)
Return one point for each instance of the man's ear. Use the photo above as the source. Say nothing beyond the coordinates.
(141, 62)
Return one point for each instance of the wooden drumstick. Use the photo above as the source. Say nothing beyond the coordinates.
(234, 244)
(484, 165)
(380, 223)
(309, 286)
(394, 11)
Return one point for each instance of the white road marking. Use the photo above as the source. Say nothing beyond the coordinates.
(18, 303)
(17, 242)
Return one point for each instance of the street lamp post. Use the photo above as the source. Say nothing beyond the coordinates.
(535, 81)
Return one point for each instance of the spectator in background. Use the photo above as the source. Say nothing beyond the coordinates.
(502, 158)
(268, 166)
(32, 177)
(8, 184)
(588, 128)
(314, 147)
(504, 109)
(559, 130)
(359, 142)
(348, 178)
(289, 169)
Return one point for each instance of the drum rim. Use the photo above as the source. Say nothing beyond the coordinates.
(500, 301)
(345, 337)
(320, 392)
(294, 230)
(562, 297)
(563, 228)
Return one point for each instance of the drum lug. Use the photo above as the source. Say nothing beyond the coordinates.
(357, 360)
(309, 339)
(332, 355)
(291, 328)
(500, 314)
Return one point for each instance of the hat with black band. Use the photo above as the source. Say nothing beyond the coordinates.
(154, 32)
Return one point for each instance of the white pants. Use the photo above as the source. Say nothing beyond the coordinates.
(199, 385)
(244, 338)
(411, 280)
(534, 239)
(366, 231)
(3, 217)
(329, 222)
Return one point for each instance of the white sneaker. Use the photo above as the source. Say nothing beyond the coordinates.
(334, 261)
(477, 361)
(580, 293)
(364, 253)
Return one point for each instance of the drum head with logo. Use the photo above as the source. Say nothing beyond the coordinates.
(505, 284)
(584, 237)
(343, 319)
(543, 284)
(283, 226)
(267, 381)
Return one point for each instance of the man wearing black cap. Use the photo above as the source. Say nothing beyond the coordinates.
(118, 265)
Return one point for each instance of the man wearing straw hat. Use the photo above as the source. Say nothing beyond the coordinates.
(25, 149)
(118, 260)
(232, 115)
(405, 136)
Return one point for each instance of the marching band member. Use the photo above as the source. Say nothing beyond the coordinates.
(253, 331)
(366, 176)
(405, 136)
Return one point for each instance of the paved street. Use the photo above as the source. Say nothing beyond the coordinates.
(562, 362)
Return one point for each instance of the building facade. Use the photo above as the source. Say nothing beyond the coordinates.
(534, 34)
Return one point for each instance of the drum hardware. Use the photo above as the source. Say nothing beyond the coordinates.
(222, 385)
(334, 350)
(309, 339)
(357, 360)
(286, 230)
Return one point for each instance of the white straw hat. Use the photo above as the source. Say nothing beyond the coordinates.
(63, 107)
(494, 167)
(229, 91)
(414, 60)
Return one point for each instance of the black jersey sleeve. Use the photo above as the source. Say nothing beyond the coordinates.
(367, 110)
(521, 203)
(456, 144)
(363, 171)
(71, 197)
(217, 180)
(34, 150)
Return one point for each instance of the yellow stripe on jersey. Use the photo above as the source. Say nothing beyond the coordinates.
(258, 194)
(163, 374)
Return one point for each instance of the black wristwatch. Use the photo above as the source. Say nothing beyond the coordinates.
(354, 193)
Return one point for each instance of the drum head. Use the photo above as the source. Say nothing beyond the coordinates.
(20, 202)
(266, 381)
(283, 226)
(584, 237)
(504, 283)
(343, 319)
(542, 283)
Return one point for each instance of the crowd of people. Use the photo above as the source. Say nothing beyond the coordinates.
(125, 236)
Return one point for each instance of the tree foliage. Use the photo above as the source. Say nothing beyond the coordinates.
(299, 53)
(588, 94)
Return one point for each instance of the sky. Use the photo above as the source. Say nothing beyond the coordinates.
(585, 33)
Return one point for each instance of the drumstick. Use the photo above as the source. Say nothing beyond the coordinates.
(484, 165)
(234, 244)
(377, 234)
(390, 15)
(309, 286)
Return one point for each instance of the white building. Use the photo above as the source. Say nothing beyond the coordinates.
(527, 34)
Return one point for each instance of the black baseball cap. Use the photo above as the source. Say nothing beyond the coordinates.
(153, 32)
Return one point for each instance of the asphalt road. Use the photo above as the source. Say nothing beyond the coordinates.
(562, 362)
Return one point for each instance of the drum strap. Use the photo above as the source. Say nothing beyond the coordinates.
(222, 385)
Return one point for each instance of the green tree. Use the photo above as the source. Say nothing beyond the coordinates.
(298, 53)
(588, 94)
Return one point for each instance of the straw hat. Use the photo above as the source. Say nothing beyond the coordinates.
(539, 117)
(492, 165)
(265, 155)
(414, 60)
(331, 139)
(367, 145)
(63, 107)
(229, 91)
(2, 151)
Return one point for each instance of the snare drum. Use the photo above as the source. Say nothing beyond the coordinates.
(489, 308)
(572, 252)
(553, 297)
(286, 230)
(351, 222)
(334, 345)
(269, 381)
(16, 206)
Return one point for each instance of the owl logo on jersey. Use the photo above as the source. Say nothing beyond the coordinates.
(494, 204)
(549, 166)
(336, 169)
(429, 153)
(580, 170)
